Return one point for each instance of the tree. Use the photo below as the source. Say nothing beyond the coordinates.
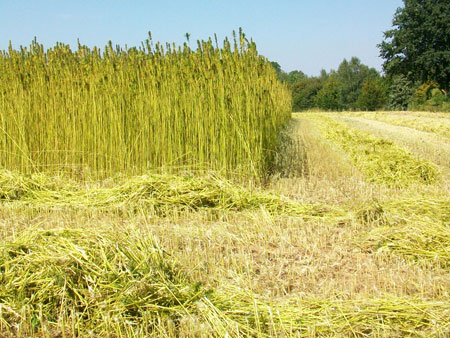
(350, 76)
(423, 93)
(373, 95)
(289, 78)
(400, 93)
(295, 76)
(281, 75)
(304, 92)
(328, 97)
(276, 66)
(419, 44)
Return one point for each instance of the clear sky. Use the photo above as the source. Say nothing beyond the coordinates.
(305, 35)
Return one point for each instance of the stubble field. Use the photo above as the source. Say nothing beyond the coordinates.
(349, 237)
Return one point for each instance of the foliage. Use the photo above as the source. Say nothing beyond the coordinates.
(400, 93)
(288, 78)
(429, 97)
(373, 95)
(128, 110)
(328, 98)
(350, 77)
(437, 98)
(277, 67)
(423, 92)
(304, 93)
(336, 90)
(418, 45)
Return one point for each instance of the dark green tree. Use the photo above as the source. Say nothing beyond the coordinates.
(304, 92)
(373, 95)
(350, 76)
(328, 98)
(418, 46)
(400, 93)
(276, 66)
(295, 76)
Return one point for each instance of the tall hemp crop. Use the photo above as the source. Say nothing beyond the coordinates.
(126, 110)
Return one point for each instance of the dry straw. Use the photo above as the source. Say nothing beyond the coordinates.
(118, 282)
(416, 228)
(379, 159)
(435, 125)
(162, 194)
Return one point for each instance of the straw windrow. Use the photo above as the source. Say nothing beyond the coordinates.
(162, 194)
(379, 159)
(99, 281)
(90, 277)
(415, 228)
(432, 124)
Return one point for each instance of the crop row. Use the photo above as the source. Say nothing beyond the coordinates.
(380, 160)
(439, 126)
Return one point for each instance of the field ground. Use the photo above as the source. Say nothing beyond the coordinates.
(350, 238)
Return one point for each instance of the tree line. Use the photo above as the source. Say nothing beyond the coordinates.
(416, 68)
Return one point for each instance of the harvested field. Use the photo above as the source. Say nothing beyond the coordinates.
(349, 237)
(422, 144)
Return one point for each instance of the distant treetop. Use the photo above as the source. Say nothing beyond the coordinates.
(419, 44)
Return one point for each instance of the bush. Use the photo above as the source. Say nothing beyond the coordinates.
(328, 98)
(400, 93)
(429, 97)
(373, 95)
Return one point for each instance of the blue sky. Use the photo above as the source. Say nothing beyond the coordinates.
(307, 35)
